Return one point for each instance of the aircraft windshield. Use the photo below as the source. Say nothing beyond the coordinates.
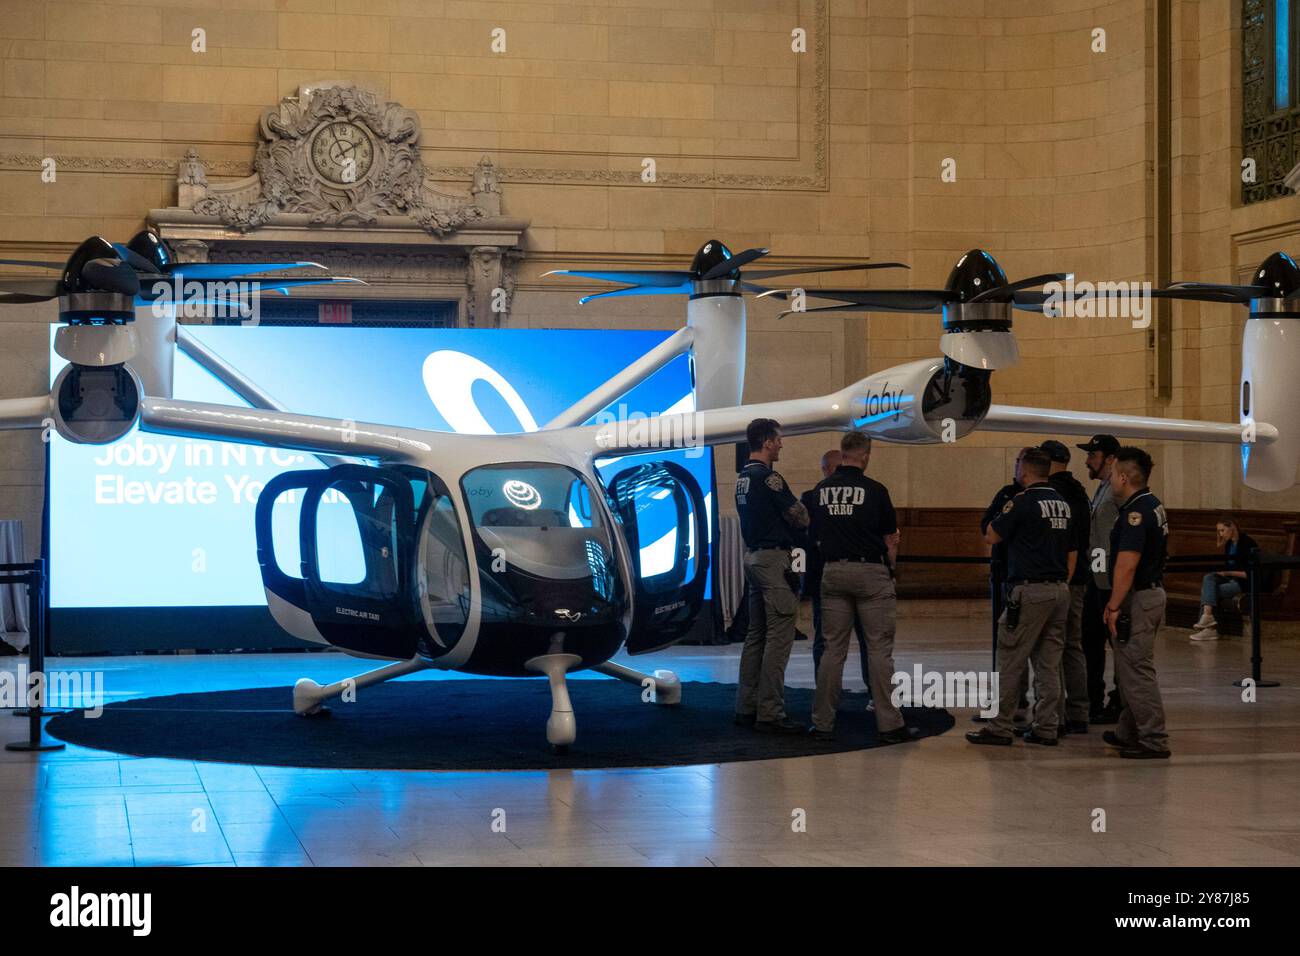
(543, 547)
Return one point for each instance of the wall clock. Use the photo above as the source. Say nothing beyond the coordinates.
(342, 152)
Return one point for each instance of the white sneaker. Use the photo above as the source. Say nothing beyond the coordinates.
(1206, 634)
(1206, 621)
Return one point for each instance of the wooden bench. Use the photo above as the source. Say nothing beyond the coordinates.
(942, 531)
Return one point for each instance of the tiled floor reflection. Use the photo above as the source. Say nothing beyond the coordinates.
(1227, 797)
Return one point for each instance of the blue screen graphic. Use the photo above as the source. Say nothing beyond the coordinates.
(154, 521)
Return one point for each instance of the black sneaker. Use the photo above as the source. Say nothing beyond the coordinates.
(816, 734)
(1144, 753)
(900, 735)
(1107, 716)
(783, 726)
(1115, 740)
(1076, 726)
(7, 649)
(1033, 738)
(744, 720)
(986, 736)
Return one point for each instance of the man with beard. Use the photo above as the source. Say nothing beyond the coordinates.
(1101, 458)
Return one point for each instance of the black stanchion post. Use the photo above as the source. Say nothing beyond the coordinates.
(1256, 638)
(36, 739)
(995, 602)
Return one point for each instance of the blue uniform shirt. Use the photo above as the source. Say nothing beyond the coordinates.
(762, 500)
(1035, 524)
(1142, 527)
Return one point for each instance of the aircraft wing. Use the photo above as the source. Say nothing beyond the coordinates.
(24, 412)
(1059, 421)
(277, 429)
(838, 412)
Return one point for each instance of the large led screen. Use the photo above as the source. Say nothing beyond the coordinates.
(152, 521)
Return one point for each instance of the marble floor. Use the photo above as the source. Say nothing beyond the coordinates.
(1228, 797)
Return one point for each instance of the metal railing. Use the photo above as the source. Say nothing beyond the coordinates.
(33, 575)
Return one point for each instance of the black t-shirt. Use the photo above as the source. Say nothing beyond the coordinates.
(1080, 520)
(1142, 527)
(1035, 524)
(852, 516)
(762, 500)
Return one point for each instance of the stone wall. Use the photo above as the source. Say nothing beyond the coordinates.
(823, 156)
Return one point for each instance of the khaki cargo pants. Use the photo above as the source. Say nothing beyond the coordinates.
(773, 608)
(1038, 638)
(866, 590)
(1142, 721)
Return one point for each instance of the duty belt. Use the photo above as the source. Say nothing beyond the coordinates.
(1020, 581)
(855, 560)
(770, 547)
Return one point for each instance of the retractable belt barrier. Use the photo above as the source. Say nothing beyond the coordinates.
(33, 575)
(1255, 561)
(997, 577)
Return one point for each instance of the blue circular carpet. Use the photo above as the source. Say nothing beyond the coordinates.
(466, 725)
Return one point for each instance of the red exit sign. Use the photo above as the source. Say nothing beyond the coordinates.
(335, 313)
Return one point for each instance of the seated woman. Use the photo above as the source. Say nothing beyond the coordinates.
(1219, 586)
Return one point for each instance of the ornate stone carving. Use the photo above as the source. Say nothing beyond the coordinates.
(191, 250)
(485, 189)
(371, 168)
(191, 180)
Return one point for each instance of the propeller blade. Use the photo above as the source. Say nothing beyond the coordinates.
(32, 290)
(986, 350)
(727, 266)
(1197, 295)
(996, 292)
(1211, 292)
(228, 270)
(33, 264)
(263, 285)
(887, 300)
(111, 275)
(136, 261)
(839, 308)
(650, 277)
(683, 289)
(280, 285)
(20, 299)
(775, 273)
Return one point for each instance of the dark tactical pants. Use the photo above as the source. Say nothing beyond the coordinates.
(1074, 666)
(1096, 636)
(1038, 638)
(773, 608)
(1142, 721)
(852, 589)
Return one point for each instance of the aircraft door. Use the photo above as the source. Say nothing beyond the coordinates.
(357, 543)
(667, 530)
